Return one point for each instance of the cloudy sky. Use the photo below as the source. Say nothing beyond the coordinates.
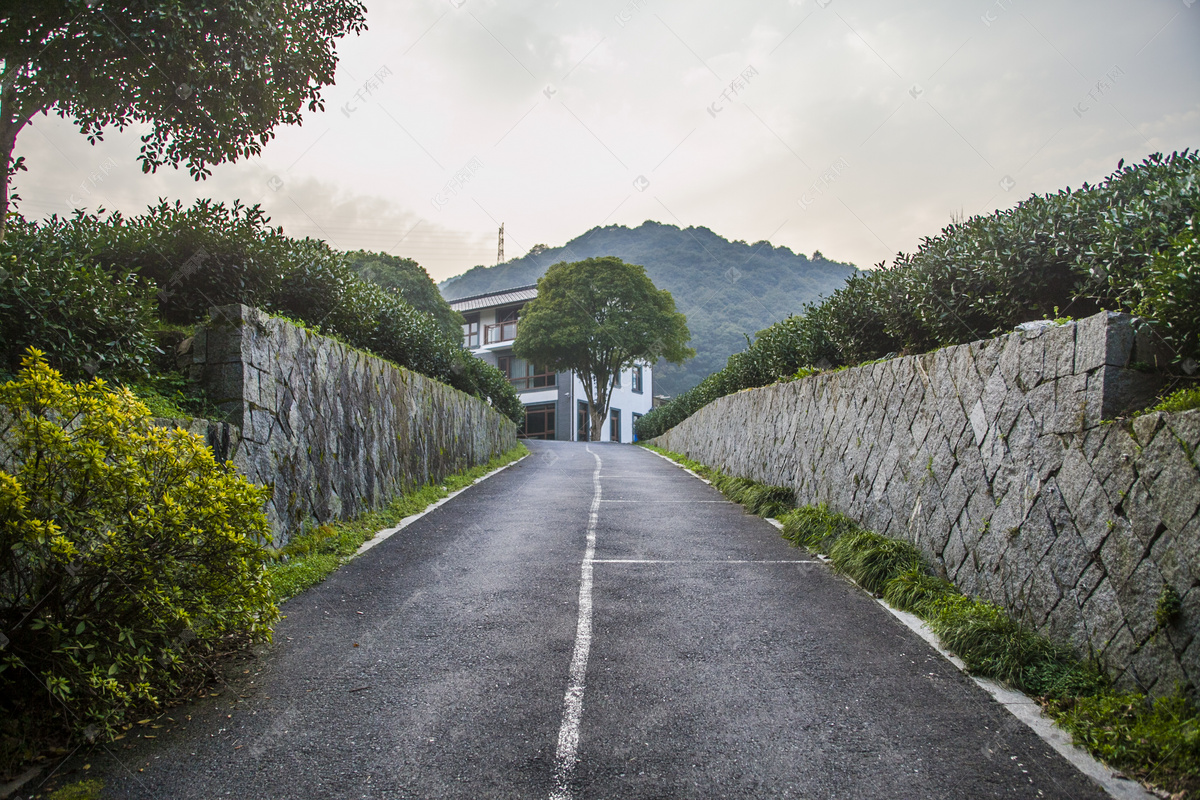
(855, 127)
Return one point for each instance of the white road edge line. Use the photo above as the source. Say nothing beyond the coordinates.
(681, 466)
(567, 755)
(1025, 709)
(409, 520)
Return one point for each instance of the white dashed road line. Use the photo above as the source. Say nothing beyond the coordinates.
(567, 755)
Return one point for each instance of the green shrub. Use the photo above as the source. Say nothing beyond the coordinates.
(1181, 400)
(816, 527)
(210, 254)
(916, 591)
(1168, 291)
(87, 319)
(872, 559)
(1169, 606)
(82, 790)
(1157, 741)
(127, 554)
(769, 501)
(994, 645)
(1129, 243)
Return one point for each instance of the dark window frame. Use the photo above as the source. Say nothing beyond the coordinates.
(532, 379)
(471, 331)
(546, 413)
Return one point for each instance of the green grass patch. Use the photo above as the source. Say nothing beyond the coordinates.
(310, 557)
(758, 498)
(872, 559)
(695, 466)
(82, 790)
(1157, 741)
(994, 645)
(816, 527)
(915, 591)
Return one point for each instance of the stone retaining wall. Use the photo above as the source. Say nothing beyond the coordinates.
(334, 431)
(996, 459)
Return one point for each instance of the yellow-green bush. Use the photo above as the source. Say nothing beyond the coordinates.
(127, 553)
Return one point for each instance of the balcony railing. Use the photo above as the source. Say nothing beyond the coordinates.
(503, 332)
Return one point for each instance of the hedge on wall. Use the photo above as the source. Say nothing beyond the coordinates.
(190, 259)
(1128, 243)
(88, 319)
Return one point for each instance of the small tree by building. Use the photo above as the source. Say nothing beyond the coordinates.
(596, 318)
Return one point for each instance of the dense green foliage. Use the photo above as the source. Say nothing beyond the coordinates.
(595, 318)
(87, 318)
(758, 498)
(1129, 244)
(208, 87)
(873, 560)
(995, 645)
(410, 280)
(207, 255)
(1157, 741)
(1154, 740)
(725, 289)
(780, 351)
(127, 554)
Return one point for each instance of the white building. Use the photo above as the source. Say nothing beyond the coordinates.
(555, 403)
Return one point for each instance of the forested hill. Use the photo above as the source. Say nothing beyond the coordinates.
(726, 289)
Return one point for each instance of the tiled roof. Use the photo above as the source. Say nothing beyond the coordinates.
(504, 297)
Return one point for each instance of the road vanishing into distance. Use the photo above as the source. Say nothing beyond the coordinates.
(592, 622)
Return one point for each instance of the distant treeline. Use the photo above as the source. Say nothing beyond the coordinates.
(725, 289)
(1129, 243)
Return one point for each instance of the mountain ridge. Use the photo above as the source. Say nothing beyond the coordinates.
(729, 290)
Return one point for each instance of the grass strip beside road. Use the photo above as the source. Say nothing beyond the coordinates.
(1156, 741)
(310, 557)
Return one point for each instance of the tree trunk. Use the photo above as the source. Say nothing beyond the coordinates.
(11, 124)
(596, 415)
(6, 148)
(598, 399)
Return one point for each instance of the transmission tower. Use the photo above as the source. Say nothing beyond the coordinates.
(500, 246)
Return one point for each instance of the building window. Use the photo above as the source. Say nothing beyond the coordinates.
(614, 426)
(539, 422)
(585, 423)
(635, 382)
(505, 329)
(471, 331)
(617, 380)
(525, 375)
(633, 425)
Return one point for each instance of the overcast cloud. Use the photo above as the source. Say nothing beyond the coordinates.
(851, 126)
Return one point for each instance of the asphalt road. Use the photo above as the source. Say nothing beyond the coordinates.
(717, 662)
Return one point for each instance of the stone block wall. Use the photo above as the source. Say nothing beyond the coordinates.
(333, 430)
(997, 459)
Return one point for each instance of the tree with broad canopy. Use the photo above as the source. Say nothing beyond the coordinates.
(210, 79)
(596, 318)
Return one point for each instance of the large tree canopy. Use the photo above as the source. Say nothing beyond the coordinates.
(410, 280)
(211, 79)
(597, 317)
